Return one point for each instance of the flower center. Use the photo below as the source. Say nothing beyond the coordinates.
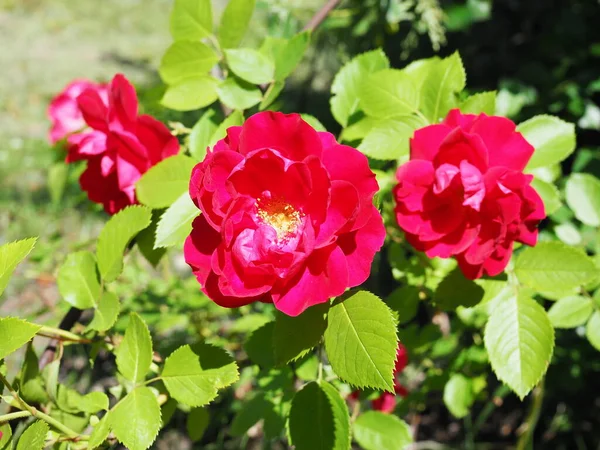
(282, 216)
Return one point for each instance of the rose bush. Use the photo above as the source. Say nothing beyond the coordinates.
(119, 145)
(287, 216)
(464, 194)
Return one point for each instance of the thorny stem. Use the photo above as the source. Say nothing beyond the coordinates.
(12, 416)
(63, 335)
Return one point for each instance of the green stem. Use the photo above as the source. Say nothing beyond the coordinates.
(150, 381)
(64, 334)
(469, 436)
(12, 391)
(320, 372)
(537, 398)
(501, 392)
(12, 416)
(56, 424)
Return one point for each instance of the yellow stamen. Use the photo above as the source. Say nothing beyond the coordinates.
(282, 216)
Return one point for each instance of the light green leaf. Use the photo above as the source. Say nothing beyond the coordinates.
(554, 267)
(191, 93)
(593, 330)
(360, 129)
(388, 93)
(571, 312)
(484, 102)
(445, 78)
(549, 193)
(287, 57)
(458, 395)
(15, 333)
(390, 138)
(236, 118)
(58, 175)
(348, 81)
(238, 94)
(419, 69)
(175, 224)
(361, 341)
(313, 122)
(311, 421)
(341, 416)
(552, 138)
(202, 133)
(12, 254)
(71, 401)
(271, 94)
(78, 281)
(6, 438)
(196, 424)
(293, 337)
(191, 19)
(100, 432)
(34, 437)
(134, 355)
(375, 430)
(186, 59)
(234, 22)
(193, 376)
(106, 312)
(250, 65)
(136, 420)
(116, 235)
(519, 339)
(456, 290)
(164, 183)
(583, 197)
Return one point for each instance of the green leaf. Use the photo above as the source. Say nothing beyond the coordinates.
(484, 102)
(234, 22)
(191, 93)
(236, 118)
(193, 375)
(58, 175)
(186, 59)
(271, 94)
(6, 438)
(191, 19)
(288, 56)
(571, 312)
(549, 193)
(250, 65)
(361, 341)
(71, 401)
(341, 416)
(593, 330)
(554, 267)
(404, 301)
(34, 437)
(116, 235)
(145, 241)
(134, 355)
(311, 421)
(458, 395)
(552, 138)
(238, 94)
(251, 412)
(196, 424)
(390, 138)
(15, 333)
(164, 183)
(12, 254)
(175, 224)
(106, 312)
(519, 339)
(583, 197)
(313, 122)
(455, 290)
(202, 133)
(100, 432)
(135, 420)
(293, 337)
(375, 430)
(444, 80)
(78, 280)
(260, 346)
(31, 384)
(388, 93)
(348, 81)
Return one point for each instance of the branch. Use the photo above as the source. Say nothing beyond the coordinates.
(66, 323)
(320, 15)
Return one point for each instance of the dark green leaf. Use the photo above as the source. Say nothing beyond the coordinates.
(294, 336)
(455, 290)
(197, 421)
(260, 347)
(311, 421)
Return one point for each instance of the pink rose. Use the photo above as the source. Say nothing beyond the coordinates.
(464, 194)
(64, 111)
(287, 216)
(119, 146)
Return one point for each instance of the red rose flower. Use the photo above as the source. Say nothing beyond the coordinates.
(120, 145)
(464, 193)
(64, 111)
(287, 216)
